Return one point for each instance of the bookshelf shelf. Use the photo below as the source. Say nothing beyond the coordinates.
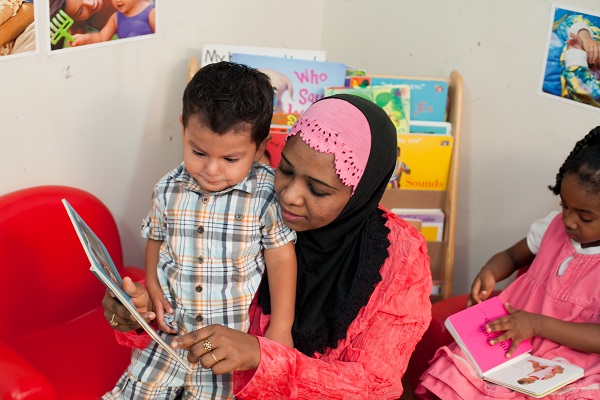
(440, 253)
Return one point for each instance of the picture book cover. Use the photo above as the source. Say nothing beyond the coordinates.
(468, 330)
(431, 219)
(423, 161)
(298, 83)
(394, 99)
(428, 96)
(103, 267)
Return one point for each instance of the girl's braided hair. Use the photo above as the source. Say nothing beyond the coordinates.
(583, 161)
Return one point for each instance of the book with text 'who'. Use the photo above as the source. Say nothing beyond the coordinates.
(298, 83)
(522, 372)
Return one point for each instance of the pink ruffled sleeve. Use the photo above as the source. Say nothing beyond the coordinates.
(372, 359)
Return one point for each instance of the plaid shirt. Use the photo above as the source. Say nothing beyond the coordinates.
(211, 260)
(210, 266)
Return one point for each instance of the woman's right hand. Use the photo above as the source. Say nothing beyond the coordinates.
(115, 311)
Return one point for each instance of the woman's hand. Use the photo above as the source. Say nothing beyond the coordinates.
(117, 314)
(220, 348)
(517, 326)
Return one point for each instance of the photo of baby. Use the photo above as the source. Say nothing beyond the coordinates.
(572, 65)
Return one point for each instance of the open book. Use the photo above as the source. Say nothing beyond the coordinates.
(522, 372)
(105, 270)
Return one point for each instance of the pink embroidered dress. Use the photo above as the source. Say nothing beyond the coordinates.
(573, 295)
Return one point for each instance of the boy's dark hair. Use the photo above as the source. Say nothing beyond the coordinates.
(226, 95)
(583, 161)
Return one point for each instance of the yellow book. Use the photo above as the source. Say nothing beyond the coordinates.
(423, 161)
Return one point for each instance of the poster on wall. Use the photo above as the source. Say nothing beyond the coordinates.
(572, 65)
(76, 24)
(17, 28)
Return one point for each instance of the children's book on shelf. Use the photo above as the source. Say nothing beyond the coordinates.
(298, 83)
(212, 53)
(522, 372)
(430, 127)
(394, 99)
(423, 161)
(104, 269)
(432, 221)
(428, 96)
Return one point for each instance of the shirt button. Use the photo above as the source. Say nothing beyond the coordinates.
(201, 229)
(200, 260)
(199, 318)
(198, 288)
(238, 217)
(205, 200)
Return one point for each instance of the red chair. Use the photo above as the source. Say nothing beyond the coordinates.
(54, 340)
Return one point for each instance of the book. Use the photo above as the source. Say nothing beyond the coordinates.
(428, 96)
(212, 53)
(298, 83)
(104, 269)
(423, 161)
(430, 127)
(522, 372)
(394, 99)
(432, 221)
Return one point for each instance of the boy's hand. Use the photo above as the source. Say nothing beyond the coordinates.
(590, 46)
(517, 326)
(482, 286)
(161, 305)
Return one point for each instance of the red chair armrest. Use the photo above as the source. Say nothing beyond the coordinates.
(21, 380)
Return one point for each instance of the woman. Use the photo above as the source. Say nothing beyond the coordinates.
(364, 281)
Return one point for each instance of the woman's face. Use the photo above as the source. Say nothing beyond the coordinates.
(82, 9)
(310, 193)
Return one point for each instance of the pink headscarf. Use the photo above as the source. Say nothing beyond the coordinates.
(351, 150)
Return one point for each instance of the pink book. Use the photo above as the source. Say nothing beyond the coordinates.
(468, 329)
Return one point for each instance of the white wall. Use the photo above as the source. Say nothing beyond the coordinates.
(112, 127)
(513, 140)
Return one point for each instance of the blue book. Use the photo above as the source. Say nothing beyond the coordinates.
(298, 83)
(428, 96)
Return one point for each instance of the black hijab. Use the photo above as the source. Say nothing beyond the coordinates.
(338, 264)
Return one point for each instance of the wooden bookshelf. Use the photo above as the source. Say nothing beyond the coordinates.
(440, 253)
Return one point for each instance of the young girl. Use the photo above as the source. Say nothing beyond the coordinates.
(556, 303)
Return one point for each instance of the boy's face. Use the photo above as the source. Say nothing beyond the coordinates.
(216, 161)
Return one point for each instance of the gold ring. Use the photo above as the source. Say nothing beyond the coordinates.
(208, 346)
(113, 321)
(214, 358)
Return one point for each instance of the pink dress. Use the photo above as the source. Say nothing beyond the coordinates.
(574, 296)
(371, 361)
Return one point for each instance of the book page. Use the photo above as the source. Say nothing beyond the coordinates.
(536, 376)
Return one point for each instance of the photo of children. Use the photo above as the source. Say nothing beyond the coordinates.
(572, 67)
(17, 27)
(75, 23)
